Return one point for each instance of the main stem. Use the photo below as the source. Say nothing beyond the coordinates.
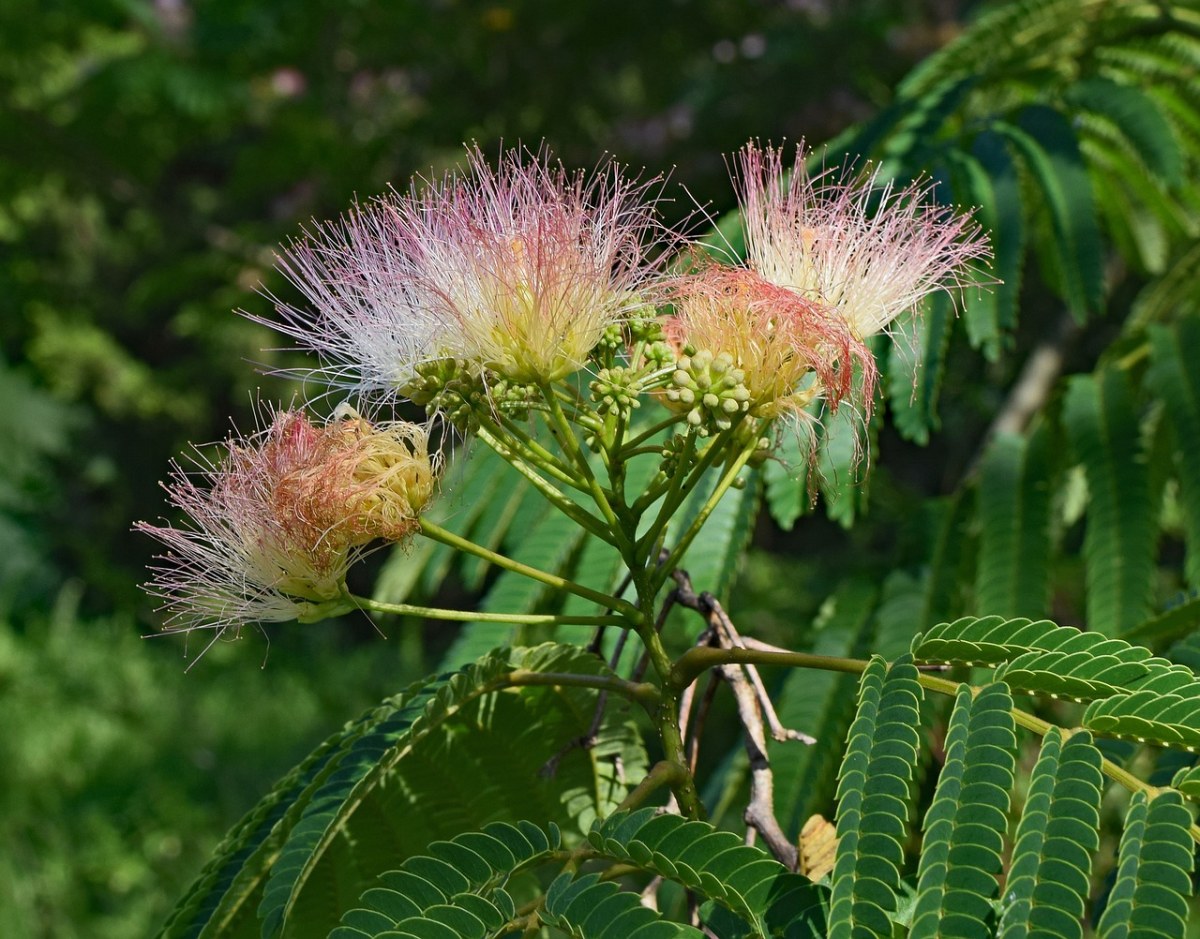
(666, 718)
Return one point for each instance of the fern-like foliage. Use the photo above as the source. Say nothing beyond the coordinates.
(457, 885)
(1175, 350)
(1057, 661)
(1015, 480)
(466, 884)
(1120, 534)
(1154, 870)
(874, 800)
(1048, 877)
(967, 821)
(445, 746)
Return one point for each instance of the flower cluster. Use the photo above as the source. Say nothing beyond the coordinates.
(478, 296)
(517, 270)
(522, 272)
(866, 252)
(786, 348)
(277, 523)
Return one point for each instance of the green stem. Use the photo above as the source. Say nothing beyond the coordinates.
(572, 510)
(643, 693)
(706, 510)
(631, 613)
(579, 415)
(667, 716)
(663, 773)
(520, 619)
(540, 455)
(647, 434)
(571, 445)
(678, 487)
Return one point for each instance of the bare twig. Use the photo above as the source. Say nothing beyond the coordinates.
(760, 812)
(733, 640)
(753, 704)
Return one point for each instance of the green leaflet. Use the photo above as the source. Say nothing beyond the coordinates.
(1172, 295)
(457, 884)
(1175, 349)
(588, 908)
(451, 754)
(1169, 718)
(968, 819)
(1175, 622)
(1015, 483)
(1154, 867)
(916, 361)
(1119, 540)
(714, 864)
(909, 137)
(1058, 661)
(874, 800)
(787, 485)
(839, 466)
(1050, 152)
(1140, 219)
(1187, 781)
(1049, 874)
(987, 178)
(1138, 117)
(222, 900)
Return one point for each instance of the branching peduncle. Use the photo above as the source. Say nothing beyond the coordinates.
(519, 619)
(570, 444)
(631, 613)
(723, 484)
(571, 509)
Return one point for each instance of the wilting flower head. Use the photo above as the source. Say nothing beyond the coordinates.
(816, 235)
(275, 525)
(518, 269)
(787, 348)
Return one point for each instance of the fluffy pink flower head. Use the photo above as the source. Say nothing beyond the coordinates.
(275, 525)
(788, 348)
(518, 269)
(816, 235)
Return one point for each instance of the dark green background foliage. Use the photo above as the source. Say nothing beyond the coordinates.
(154, 154)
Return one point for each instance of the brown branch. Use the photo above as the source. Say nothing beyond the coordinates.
(753, 703)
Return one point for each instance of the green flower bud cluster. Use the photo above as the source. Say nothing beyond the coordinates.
(645, 326)
(452, 389)
(445, 386)
(616, 390)
(711, 387)
(659, 355)
(671, 452)
(512, 397)
(612, 338)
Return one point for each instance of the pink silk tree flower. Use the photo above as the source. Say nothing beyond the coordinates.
(787, 349)
(517, 269)
(816, 235)
(275, 525)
